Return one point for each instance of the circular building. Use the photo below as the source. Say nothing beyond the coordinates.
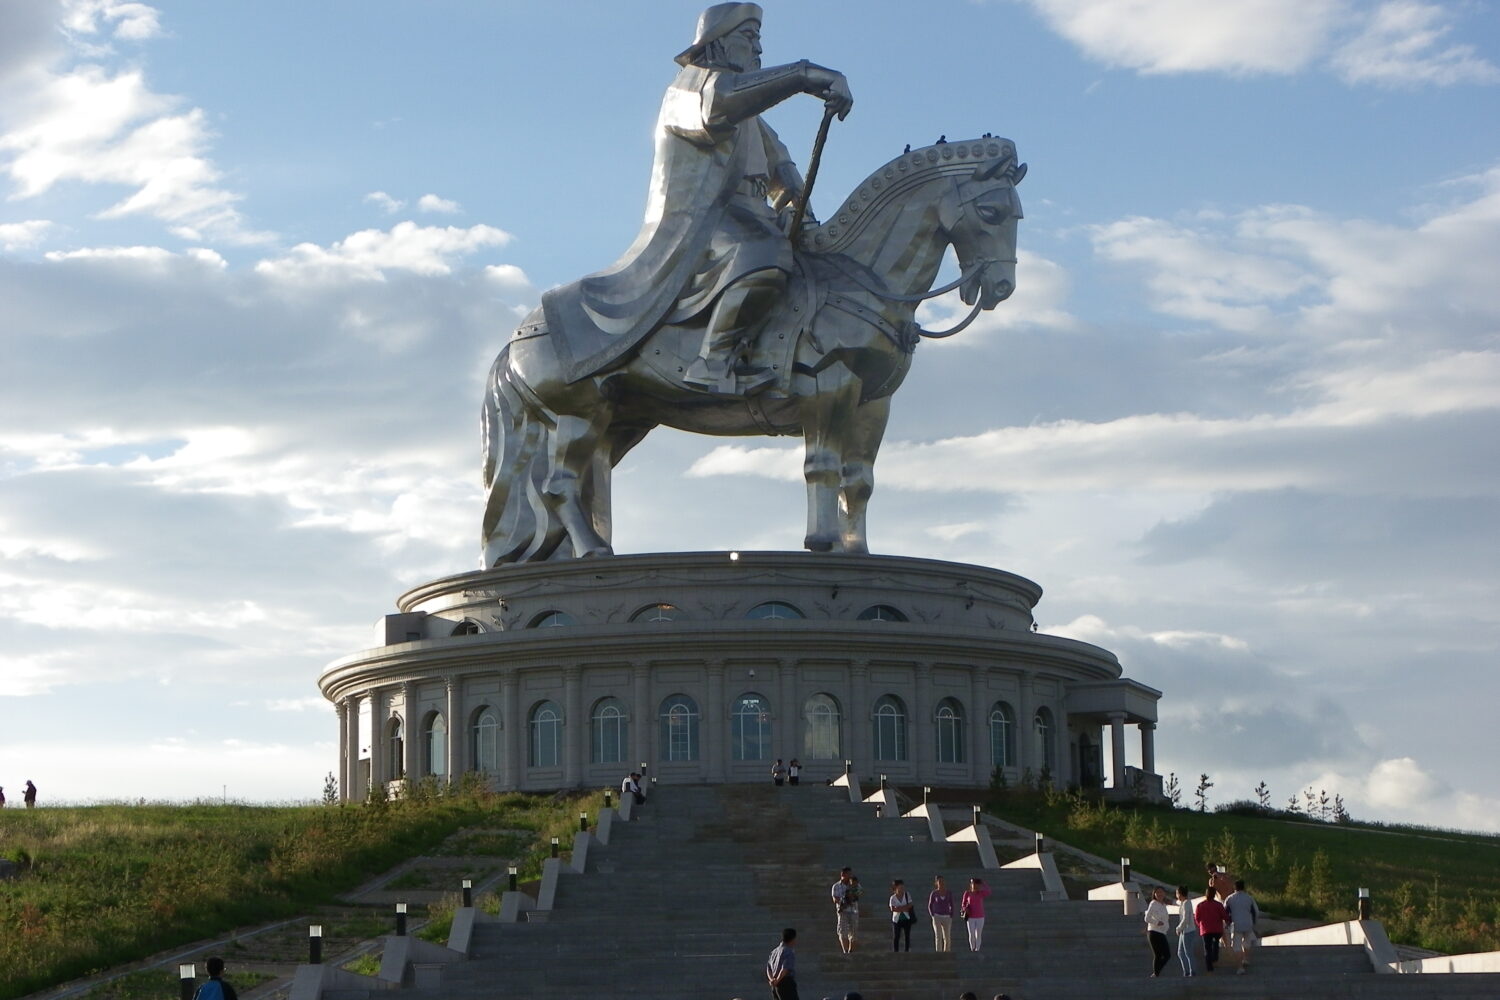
(709, 666)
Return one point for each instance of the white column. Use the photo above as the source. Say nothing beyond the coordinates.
(342, 708)
(1117, 748)
(924, 727)
(716, 728)
(977, 719)
(574, 726)
(410, 757)
(1148, 747)
(456, 741)
(857, 720)
(1026, 729)
(512, 735)
(349, 721)
(643, 718)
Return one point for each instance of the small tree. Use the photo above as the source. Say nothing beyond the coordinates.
(1340, 814)
(1292, 806)
(1310, 802)
(1173, 788)
(1263, 796)
(330, 790)
(1201, 792)
(1325, 805)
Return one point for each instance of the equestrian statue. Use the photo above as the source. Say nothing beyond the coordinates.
(735, 312)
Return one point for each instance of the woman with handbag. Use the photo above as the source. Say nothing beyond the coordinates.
(902, 916)
(972, 911)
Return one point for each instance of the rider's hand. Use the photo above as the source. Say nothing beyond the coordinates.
(837, 96)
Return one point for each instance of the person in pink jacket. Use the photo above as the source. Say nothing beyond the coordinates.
(972, 910)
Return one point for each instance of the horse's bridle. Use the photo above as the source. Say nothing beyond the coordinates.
(974, 271)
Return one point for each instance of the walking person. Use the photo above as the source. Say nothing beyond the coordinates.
(845, 894)
(778, 773)
(1187, 930)
(1156, 930)
(2, 796)
(781, 967)
(30, 795)
(793, 771)
(1242, 915)
(971, 909)
(902, 916)
(1209, 916)
(940, 909)
(216, 988)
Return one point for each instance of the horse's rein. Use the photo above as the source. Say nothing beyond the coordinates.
(974, 271)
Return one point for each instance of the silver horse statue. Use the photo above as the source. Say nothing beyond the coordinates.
(840, 343)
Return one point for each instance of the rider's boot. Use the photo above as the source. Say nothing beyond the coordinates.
(721, 365)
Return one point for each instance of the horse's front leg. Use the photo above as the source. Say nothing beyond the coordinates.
(857, 477)
(575, 441)
(825, 416)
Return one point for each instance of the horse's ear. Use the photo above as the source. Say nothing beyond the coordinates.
(1017, 175)
(986, 171)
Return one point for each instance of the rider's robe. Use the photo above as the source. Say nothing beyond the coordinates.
(707, 224)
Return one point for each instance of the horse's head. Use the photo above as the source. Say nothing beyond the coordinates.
(981, 222)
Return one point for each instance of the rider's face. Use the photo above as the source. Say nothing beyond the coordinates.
(742, 47)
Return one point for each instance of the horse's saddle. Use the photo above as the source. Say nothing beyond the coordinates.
(817, 282)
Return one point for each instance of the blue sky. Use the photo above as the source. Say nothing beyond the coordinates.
(1239, 419)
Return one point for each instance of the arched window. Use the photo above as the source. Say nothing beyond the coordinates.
(608, 729)
(546, 735)
(1002, 735)
(890, 729)
(881, 613)
(435, 746)
(466, 627)
(395, 740)
(552, 619)
(657, 613)
(821, 740)
(949, 724)
(679, 728)
(750, 728)
(1045, 751)
(774, 611)
(484, 740)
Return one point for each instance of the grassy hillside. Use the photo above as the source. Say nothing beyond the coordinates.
(1431, 888)
(104, 885)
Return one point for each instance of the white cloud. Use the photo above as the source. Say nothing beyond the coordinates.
(385, 202)
(312, 703)
(155, 258)
(442, 206)
(370, 253)
(1402, 45)
(87, 124)
(508, 277)
(23, 235)
(1177, 36)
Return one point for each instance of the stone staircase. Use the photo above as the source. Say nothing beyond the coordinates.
(688, 899)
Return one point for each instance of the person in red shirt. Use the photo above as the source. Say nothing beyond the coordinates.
(1209, 916)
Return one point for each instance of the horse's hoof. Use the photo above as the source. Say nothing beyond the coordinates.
(603, 550)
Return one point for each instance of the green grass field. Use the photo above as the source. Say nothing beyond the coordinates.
(110, 884)
(1430, 888)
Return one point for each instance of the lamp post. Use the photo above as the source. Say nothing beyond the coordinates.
(468, 888)
(1364, 904)
(315, 944)
(848, 766)
(187, 974)
(401, 920)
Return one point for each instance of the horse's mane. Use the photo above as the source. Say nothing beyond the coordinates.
(893, 180)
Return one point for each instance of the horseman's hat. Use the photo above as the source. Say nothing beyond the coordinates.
(716, 22)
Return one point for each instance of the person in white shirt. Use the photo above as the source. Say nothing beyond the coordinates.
(1242, 913)
(1156, 929)
(1187, 930)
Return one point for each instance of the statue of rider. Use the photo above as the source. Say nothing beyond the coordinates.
(723, 188)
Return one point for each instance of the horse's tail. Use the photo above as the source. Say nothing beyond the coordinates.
(512, 460)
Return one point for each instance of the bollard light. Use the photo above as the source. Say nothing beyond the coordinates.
(879, 809)
(882, 782)
(1124, 869)
(977, 810)
(555, 847)
(1364, 904)
(583, 822)
(653, 782)
(401, 920)
(1040, 843)
(608, 802)
(187, 974)
(315, 944)
(926, 791)
(643, 769)
(513, 874)
(468, 888)
(848, 766)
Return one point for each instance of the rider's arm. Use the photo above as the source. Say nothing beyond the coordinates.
(730, 98)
